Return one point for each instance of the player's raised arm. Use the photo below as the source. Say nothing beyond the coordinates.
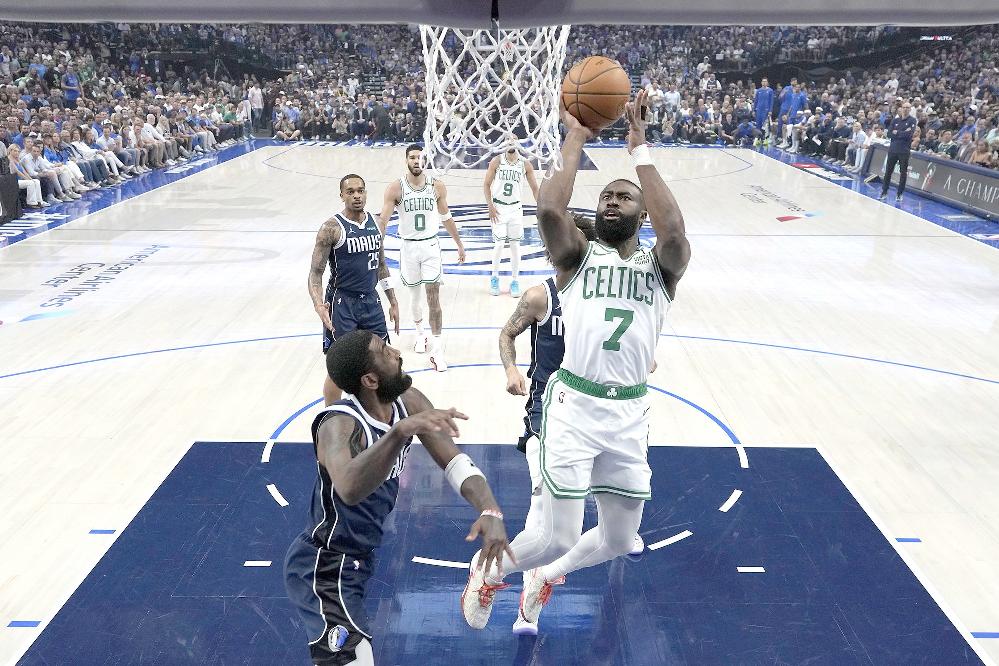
(464, 477)
(447, 219)
(328, 236)
(672, 249)
(389, 202)
(530, 309)
(565, 245)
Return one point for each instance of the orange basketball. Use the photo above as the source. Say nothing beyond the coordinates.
(595, 91)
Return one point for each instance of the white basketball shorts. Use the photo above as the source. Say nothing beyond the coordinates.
(510, 223)
(594, 444)
(420, 261)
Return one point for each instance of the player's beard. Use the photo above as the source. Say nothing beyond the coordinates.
(390, 388)
(617, 230)
(416, 171)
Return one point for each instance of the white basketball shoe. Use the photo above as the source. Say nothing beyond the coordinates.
(477, 598)
(537, 592)
(637, 549)
(437, 355)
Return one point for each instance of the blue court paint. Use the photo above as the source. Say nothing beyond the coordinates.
(908, 540)
(173, 587)
(985, 634)
(496, 328)
(13, 624)
(102, 532)
(728, 431)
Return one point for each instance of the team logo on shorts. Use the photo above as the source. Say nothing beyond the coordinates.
(337, 637)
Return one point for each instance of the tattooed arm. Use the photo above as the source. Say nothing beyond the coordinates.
(326, 239)
(356, 470)
(531, 308)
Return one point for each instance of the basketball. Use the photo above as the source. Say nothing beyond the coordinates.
(595, 91)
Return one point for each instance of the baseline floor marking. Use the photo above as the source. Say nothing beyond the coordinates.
(673, 539)
(257, 563)
(441, 563)
(217, 158)
(750, 569)
(276, 494)
(730, 502)
(869, 192)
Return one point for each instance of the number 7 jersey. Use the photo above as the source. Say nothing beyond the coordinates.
(418, 216)
(613, 310)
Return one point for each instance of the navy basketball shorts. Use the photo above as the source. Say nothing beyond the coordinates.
(327, 589)
(350, 311)
(532, 419)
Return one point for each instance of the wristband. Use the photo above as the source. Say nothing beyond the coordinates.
(385, 284)
(447, 217)
(459, 470)
(641, 156)
(492, 512)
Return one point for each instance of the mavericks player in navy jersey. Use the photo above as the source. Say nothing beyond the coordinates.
(540, 311)
(351, 243)
(361, 444)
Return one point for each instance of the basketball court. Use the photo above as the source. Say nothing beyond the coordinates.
(824, 484)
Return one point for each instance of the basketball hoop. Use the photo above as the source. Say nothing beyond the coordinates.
(483, 85)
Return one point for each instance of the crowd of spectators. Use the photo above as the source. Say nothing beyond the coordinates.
(86, 106)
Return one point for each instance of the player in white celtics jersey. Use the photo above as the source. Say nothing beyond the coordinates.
(421, 202)
(504, 190)
(595, 424)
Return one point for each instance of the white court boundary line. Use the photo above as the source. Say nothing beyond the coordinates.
(751, 569)
(673, 539)
(276, 494)
(265, 456)
(441, 563)
(730, 502)
(916, 571)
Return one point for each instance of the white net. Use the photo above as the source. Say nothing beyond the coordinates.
(484, 85)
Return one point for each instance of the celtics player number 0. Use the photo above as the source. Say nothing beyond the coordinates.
(420, 221)
(613, 343)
